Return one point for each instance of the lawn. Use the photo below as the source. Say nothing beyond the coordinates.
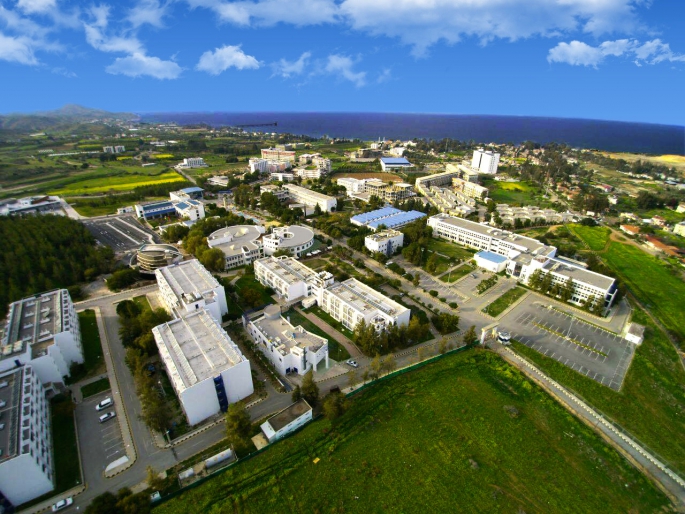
(443, 265)
(459, 272)
(92, 348)
(142, 302)
(450, 250)
(124, 182)
(94, 388)
(315, 263)
(318, 311)
(660, 290)
(249, 281)
(467, 433)
(595, 237)
(101, 210)
(512, 193)
(651, 402)
(503, 302)
(336, 351)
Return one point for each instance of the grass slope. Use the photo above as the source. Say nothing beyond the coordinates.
(595, 237)
(651, 403)
(467, 433)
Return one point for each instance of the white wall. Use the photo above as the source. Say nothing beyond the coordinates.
(290, 427)
(22, 479)
(200, 401)
(238, 382)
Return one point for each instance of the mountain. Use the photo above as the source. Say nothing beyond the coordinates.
(59, 119)
(78, 112)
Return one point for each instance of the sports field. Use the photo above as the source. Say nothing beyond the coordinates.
(115, 183)
(465, 434)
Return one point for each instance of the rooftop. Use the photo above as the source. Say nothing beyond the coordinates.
(383, 235)
(374, 215)
(636, 330)
(288, 269)
(579, 274)
(364, 298)
(286, 336)
(303, 190)
(195, 348)
(237, 239)
(11, 412)
(401, 161)
(188, 277)
(397, 220)
(294, 235)
(289, 414)
(194, 189)
(492, 257)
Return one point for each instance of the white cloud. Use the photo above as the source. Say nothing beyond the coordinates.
(64, 72)
(271, 12)
(384, 76)
(577, 53)
(286, 68)
(36, 6)
(342, 65)
(16, 49)
(147, 11)
(98, 40)
(226, 57)
(138, 65)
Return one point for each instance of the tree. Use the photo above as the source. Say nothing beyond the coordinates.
(334, 405)
(238, 425)
(310, 391)
(442, 346)
(376, 366)
(317, 210)
(152, 478)
(250, 297)
(388, 364)
(352, 377)
(446, 323)
(213, 259)
(296, 395)
(470, 335)
(567, 290)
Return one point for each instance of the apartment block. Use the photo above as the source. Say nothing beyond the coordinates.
(386, 242)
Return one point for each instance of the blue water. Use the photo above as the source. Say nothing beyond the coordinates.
(597, 134)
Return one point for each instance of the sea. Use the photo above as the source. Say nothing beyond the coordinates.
(613, 136)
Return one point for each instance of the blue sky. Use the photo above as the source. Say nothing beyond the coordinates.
(604, 59)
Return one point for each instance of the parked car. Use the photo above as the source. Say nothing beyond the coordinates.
(62, 504)
(352, 363)
(504, 338)
(107, 402)
(107, 416)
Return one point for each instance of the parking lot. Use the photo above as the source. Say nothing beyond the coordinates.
(121, 233)
(596, 353)
(102, 441)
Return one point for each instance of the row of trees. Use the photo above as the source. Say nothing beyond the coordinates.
(394, 337)
(544, 283)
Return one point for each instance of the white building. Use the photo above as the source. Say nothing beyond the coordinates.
(286, 421)
(635, 333)
(282, 177)
(205, 367)
(27, 468)
(469, 189)
(322, 164)
(386, 242)
(30, 205)
(218, 180)
(306, 174)
(308, 197)
(485, 162)
(395, 163)
(279, 193)
(352, 185)
(389, 217)
(290, 349)
(119, 149)
(42, 330)
(276, 154)
(240, 244)
(492, 262)
(268, 166)
(193, 162)
(187, 286)
(525, 255)
(679, 229)
(295, 238)
(289, 278)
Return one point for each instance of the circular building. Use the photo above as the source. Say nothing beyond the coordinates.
(239, 243)
(296, 239)
(149, 257)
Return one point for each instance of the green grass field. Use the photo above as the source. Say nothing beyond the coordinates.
(116, 183)
(595, 237)
(95, 387)
(459, 272)
(451, 250)
(514, 193)
(503, 302)
(92, 348)
(467, 433)
(249, 281)
(660, 290)
(336, 351)
(651, 402)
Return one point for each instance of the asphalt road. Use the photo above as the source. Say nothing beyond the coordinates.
(121, 233)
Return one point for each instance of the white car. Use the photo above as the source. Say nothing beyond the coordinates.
(62, 504)
(352, 363)
(107, 416)
(107, 402)
(504, 338)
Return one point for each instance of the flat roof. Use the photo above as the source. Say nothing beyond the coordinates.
(158, 249)
(288, 268)
(193, 189)
(11, 412)
(397, 220)
(284, 334)
(188, 277)
(33, 320)
(195, 348)
(294, 235)
(158, 205)
(383, 235)
(580, 274)
(235, 240)
(303, 190)
(492, 257)
(364, 298)
(374, 215)
(395, 160)
(289, 414)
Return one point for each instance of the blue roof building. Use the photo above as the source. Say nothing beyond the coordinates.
(387, 216)
(491, 261)
(395, 163)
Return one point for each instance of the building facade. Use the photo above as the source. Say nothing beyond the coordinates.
(27, 468)
(395, 164)
(193, 162)
(287, 421)
(485, 161)
(295, 238)
(289, 278)
(388, 217)
(387, 242)
(149, 257)
(187, 287)
(276, 154)
(205, 367)
(241, 244)
(308, 197)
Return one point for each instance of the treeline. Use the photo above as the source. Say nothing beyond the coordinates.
(39, 253)
(638, 167)
(392, 338)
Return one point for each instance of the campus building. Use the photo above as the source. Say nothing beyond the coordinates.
(282, 177)
(386, 242)
(205, 367)
(469, 189)
(289, 278)
(268, 166)
(113, 149)
(286, 421)
(276, 154)
(290, 349)
(27, 468)
(363, 189)
(187, 286)
(184, 203)
(485, 161)
(395, 164)
(389, 217)
(30, 205)
(295, 238)
(192, 162)
(525, 255)
(308, 197)
(241, 244)
(43, 331)
(149, 257)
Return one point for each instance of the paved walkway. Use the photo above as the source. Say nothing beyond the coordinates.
(665, 478)
(338, 336)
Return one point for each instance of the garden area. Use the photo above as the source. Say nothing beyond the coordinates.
(94, 363)
(459, 272)
(336, 351)
(457, 428)
(505, 301)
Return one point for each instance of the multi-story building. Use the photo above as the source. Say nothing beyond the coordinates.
(149, 257)
(282, 177)
(279, 193)
(485, 161)
(27, 468)
(386, 242)
(42, 330)
(388, 217)
(469, 189)
(113, 149)
(286, 421)
(205, 367)
(388, 192)
(268, 166)
(119, 149)
(276, 154)
(531, 213)
(307, 174)
(240, 244)
(184, 203)
(289, 278)
(322, 164)
(290, 349)
(308, 197)
(30, 205)
(187, 286)
(218, 180)
(395, 164)
(352, 185)
(679, 229)
(187, 193)
(295, 238)
(525, 255)
(192, 162)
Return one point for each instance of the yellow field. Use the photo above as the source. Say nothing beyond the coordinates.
(676, 161)
(162, 156)
(118, 183)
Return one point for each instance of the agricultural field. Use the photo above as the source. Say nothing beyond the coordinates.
(456, 432)
(651, 402)
(595, 237)
(116, 183)
(675, 161)
(375, 174)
